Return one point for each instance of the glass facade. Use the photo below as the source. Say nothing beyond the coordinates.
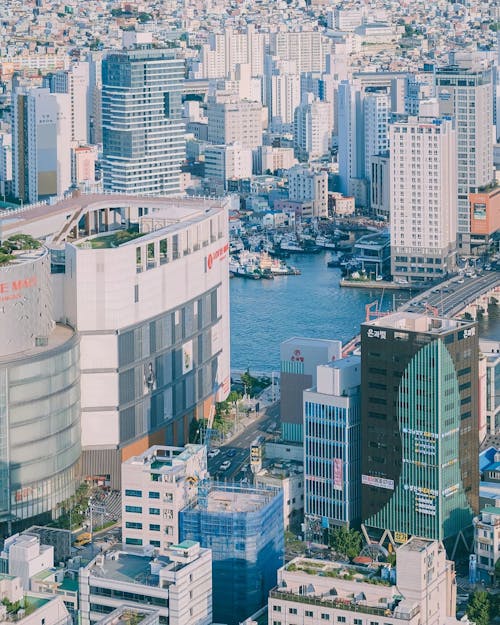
(40, 429)
(247, 548)
(332, 465)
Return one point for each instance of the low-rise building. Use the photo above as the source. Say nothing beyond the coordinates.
(317, 591)
(487, 540)
(178, 584)
(288, 477)
(156, 485)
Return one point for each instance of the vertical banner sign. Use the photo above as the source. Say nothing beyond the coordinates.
(337, 474)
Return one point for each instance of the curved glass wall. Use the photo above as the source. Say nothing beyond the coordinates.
(40, 418)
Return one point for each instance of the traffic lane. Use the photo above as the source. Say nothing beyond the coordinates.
(237, 461)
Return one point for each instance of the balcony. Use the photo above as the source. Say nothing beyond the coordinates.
(341, 604)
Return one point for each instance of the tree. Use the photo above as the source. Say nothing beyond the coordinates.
(478, 609)
(346, 542)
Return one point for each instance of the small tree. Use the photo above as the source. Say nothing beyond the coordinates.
(478, 609)
(346, 542)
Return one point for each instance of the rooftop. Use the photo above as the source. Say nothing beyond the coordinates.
(418, 322)
(161, 458)
(59, 336)
(132, 568)
(416, 544)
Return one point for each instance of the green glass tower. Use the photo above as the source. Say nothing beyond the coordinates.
(419, 425)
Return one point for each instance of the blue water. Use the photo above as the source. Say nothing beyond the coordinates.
(266, 312)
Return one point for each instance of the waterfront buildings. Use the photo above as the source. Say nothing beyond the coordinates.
(243, 526)
(178, 584)
(317, 591)
(419, 389)
(465, 91)
(227, 162)
(305, 185)
(299, 360)
(487, 540)
(142, 127)
(332, 448)
(423, 206)
(41, 142)
(156, 485)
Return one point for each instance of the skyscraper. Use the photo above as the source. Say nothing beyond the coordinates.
(423, 201)
(465, 91)
(419, 386)
(142, 127)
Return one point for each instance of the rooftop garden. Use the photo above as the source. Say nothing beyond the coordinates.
(15, 243)
(111, 239)
(338, 570)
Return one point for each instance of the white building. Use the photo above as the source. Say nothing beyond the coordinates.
(75, 82)
(282, 94)
(27, 557)
(344, 19)
(313, 124)
(465, 91)
(41, 143)
(155, 486)
(490, 385)
(288, 477)
(376, 111)
(231, 120)
(5, 162)
(270, 159)
(317, 591)
(305, 185)
(487, 539)
(305, 47)
(145, 284)
(178, 584)
(423, 208)
(227, 162)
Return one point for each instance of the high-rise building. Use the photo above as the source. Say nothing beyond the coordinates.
(465, 91)
(41, 146)
(231, 120)
(300, 358)
(376, 111)
(142, 126)
(423, 205)
(332, 448)
(156, 485)
(419, 415)
(305, 47)
(227, 162)
(243, 526)
(313, 124)
(75, 82)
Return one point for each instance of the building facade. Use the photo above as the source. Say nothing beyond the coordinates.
(332, 448)
(465, 91)
(244, 529)
(423, 207)
(142, 126)
(419, 415)
(487, 540)
(231, 120)
(156, 486)
(305, 185)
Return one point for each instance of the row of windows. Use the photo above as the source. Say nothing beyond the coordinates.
(138, 493)
(324, 616)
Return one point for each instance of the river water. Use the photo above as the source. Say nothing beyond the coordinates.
(266, 312)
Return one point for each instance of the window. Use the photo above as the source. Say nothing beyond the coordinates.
(155, 511)
(133, 493)
(292, 610)
(276, 608)
(309, 613)
(154, 543)
(276, 622)
(325, 617)
(340, 619)
(133, 541)
(133, 509)
(154, 527)
(358, 621)
(131, 525)
(154, 495)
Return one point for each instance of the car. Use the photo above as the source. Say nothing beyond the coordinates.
(225, 465)
(460, 281)
(214, 452)
(231, 453)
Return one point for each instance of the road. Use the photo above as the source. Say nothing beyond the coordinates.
(237, 451)
(451, 296)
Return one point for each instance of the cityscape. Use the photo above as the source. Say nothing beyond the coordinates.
(250, 312)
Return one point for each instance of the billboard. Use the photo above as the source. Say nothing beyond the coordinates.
(378, 482)
(187, 357)
(337, 474)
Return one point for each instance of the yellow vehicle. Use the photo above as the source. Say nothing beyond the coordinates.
(82, 539)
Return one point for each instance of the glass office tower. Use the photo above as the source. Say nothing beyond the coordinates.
(419, 381)
(143, 132)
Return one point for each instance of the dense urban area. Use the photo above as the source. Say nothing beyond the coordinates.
(249, 312)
